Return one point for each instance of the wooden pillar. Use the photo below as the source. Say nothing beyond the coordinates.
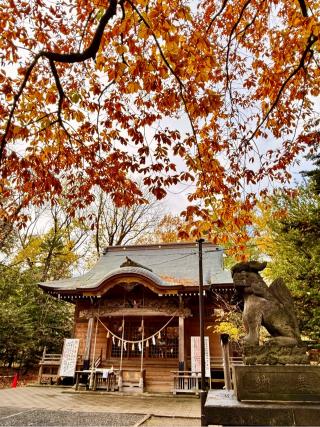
(226, 364)
(41, 364)
(86, 356)
(120, 379)
(182, 357)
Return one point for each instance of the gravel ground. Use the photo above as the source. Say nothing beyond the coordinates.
(42, 417)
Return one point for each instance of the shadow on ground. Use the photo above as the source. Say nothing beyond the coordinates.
(155, 421)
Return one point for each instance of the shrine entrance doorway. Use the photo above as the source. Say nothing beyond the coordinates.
(146, 345)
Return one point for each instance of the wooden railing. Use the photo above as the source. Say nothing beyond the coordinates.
(48, 367)
(107, 382)
(186, 382)
(50, 359)
(5, 380)
(217, 362)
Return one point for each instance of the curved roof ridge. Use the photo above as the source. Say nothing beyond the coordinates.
(129, 270)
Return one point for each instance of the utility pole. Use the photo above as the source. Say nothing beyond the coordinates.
(203, 393)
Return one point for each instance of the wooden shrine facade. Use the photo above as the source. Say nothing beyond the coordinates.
(137, 309)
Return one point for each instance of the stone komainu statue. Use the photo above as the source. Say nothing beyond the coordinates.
(268, 306)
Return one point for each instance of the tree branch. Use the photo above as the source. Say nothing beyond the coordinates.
(224, 4)
(92, 49)
(304, 8)
(179, 81)
(229, 44)
(158, 45)
(67, 58)
(61, 95)
(312, 39)
(14, 105)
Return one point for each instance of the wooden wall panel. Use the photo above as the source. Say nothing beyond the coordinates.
(192, 329)
(100, 342)
(80, 331)
(98, 339)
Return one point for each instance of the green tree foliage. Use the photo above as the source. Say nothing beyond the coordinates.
(29, 318)
(314, 174)
(292, 241)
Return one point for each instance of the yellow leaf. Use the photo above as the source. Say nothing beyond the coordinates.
(133, 87)
(121, 49)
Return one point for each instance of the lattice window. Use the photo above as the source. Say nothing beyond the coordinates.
(165, 347)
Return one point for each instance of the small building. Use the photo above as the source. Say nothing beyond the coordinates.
(138, 307)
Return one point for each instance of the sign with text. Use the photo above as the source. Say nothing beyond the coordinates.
(69, 357)
(196, 355)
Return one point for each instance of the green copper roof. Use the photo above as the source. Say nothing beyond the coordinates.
(166, 265)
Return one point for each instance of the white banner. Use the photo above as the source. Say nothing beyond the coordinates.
(69, 357)
(196, 355)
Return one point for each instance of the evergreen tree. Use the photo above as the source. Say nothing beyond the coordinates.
(314, 174)
(292, 241)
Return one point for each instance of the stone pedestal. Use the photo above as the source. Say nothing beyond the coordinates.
(290, 383)
(275, 354)
(223, 408)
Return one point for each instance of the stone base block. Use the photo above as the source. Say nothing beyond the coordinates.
(297, 383)
(222, 408)
(275, 354)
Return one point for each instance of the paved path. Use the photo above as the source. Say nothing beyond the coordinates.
(59, 399)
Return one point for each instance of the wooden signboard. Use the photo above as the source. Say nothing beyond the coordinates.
(69, 357)
(196, 355)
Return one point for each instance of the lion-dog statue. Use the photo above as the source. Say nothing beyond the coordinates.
(268, 306)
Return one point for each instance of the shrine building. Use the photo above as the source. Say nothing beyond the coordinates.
(137, 310)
